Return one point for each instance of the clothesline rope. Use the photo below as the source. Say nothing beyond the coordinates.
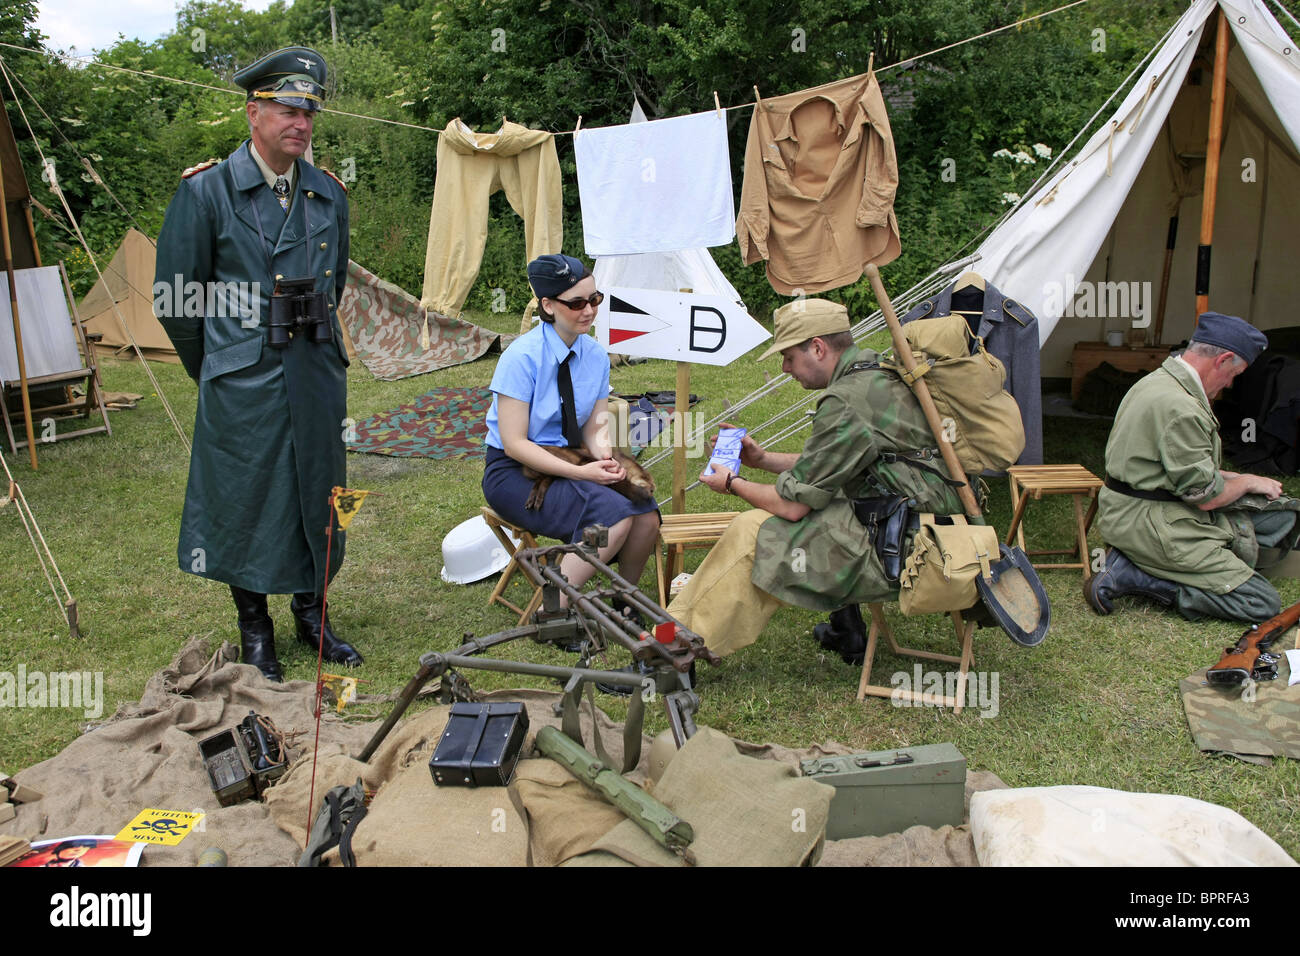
(91, 61)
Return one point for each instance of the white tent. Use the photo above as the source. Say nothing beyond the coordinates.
(1103, 217)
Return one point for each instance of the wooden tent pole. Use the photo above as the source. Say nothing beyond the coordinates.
(1217, 94)
(1171, 240)
(18, 330)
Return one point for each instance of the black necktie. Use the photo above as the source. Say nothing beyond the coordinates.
(281, 190)
(568, 411)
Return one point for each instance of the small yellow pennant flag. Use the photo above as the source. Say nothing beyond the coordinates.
(344, 688)
(347, 502)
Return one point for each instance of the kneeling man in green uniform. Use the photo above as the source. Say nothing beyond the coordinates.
(1182, 531)
(252, 259)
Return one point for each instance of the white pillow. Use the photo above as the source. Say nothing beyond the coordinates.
(1094, 826)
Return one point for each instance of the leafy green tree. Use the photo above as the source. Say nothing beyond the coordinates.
(18, 24)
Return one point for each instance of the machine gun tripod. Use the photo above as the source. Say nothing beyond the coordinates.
(591, 620)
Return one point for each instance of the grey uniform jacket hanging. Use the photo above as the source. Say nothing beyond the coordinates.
(1010, 333)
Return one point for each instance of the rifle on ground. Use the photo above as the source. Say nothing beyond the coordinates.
(1249, 659)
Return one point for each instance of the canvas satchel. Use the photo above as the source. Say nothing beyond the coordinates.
(979, 416)
(940, 571)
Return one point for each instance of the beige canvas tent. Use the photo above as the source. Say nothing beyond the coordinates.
(1085, 250)
(127, 282)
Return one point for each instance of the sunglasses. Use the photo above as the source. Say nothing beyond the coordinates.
(577, 305)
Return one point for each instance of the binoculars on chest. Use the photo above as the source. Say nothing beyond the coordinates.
(296, 308)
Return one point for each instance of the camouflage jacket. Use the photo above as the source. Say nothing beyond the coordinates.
(825, 560)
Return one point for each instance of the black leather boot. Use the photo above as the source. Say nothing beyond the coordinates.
(1121, 577)
(256, 633)
(307, 613)
(845, 634)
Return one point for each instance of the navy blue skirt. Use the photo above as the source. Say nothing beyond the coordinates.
(569, 507)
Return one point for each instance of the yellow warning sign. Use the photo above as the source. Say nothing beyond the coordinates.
(161, 827)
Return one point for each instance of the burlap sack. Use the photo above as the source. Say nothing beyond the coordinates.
(566, 818)
(288, 799)
(147, 755)
(745, 812)
(414, 823)
(915, 846)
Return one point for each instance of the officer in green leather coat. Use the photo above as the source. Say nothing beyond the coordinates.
(268, 434)
(1182, 531)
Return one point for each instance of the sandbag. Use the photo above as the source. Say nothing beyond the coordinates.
(745, 812)
(414, 823)
(968, 385)
(566, 818)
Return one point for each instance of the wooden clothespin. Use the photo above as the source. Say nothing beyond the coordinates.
(579, 126)
(871, 61)
(717, 105)
(758, 100)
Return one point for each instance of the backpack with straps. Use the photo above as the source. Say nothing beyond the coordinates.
(968, 385)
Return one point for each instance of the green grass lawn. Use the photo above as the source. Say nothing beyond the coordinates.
(1095, 704)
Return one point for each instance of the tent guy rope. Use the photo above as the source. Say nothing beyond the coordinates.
(14, 494)
(58, 191)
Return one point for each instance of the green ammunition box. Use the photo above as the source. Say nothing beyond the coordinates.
(890, 790)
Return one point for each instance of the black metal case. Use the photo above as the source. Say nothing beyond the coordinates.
(480, 745)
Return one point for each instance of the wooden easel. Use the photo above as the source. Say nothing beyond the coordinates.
(93, 401)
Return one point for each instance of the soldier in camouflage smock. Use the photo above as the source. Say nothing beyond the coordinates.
(802, 543)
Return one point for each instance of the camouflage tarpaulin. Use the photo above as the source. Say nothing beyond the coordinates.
(442, 423)
(1263, 720)
(385, 324)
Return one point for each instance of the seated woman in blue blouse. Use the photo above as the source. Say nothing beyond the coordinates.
(551, 388)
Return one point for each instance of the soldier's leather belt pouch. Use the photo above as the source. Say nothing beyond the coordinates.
(886, 520)
(232, 358)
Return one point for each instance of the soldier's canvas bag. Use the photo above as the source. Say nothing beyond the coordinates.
(947, 555)
(979, 415)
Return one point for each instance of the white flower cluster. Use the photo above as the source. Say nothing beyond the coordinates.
(1043, 150)
(1009, 199)
(1020, 156)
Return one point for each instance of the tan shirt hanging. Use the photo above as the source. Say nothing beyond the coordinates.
(820, 178)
